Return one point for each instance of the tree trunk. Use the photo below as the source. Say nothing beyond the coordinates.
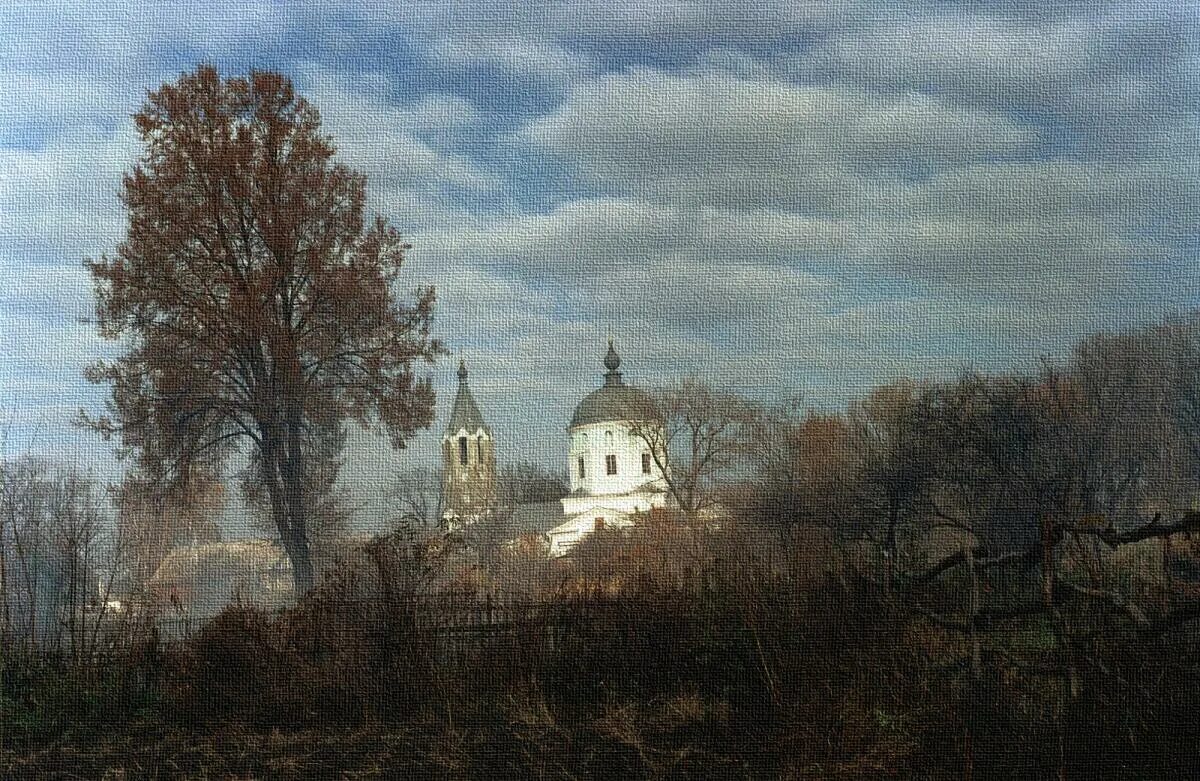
(1046, 526)
(293, 481)
(5, 614)
(973, 608)
(1062, 639)
(973, 697)
(285, 490)
(303, 578)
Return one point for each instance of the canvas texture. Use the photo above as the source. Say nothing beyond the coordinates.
(564, 390)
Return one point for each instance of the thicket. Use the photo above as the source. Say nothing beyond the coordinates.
(990, 577)
(730, 663)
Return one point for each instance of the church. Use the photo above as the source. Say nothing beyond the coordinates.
(615, 476)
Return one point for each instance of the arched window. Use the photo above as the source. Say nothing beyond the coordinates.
(608, 439)
(610, 463)
(479, 450)
(582, 473)
(462, 450)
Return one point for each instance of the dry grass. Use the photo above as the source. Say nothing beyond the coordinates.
(732, 664)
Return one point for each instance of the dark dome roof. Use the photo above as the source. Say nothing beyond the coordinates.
(614, 400)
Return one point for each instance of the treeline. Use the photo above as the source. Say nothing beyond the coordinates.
(55, 551)
(987, 577)
(1108, 441)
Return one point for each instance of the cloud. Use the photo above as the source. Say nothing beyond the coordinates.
(515, 57)
(780, 196)
(598, 237)
(62, 196)
(1121, 80)
(715, 136)
(382, 139)
(965, 201)
(600, 244)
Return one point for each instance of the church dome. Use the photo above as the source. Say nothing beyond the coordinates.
(613, 401)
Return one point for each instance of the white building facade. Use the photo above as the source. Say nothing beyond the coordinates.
(614, 474)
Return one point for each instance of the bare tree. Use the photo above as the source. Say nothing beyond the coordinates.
(524, 482)
(898, 463)
(701, 440)
(57, 559)
(420, 495)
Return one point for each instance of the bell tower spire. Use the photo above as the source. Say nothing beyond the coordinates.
(468, 459)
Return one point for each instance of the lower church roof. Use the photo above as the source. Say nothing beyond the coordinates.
(534, 518)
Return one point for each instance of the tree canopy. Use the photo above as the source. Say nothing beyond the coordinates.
(256, 303)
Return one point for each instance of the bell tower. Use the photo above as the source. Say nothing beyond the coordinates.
(468, 460)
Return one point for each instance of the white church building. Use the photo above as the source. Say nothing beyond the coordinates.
(615, 478)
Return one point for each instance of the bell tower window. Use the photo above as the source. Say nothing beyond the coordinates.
(462, 451)
(610, 464)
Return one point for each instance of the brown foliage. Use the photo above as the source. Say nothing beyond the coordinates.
(259, 306)
(1026, 620)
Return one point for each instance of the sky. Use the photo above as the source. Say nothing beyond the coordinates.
(782, 198)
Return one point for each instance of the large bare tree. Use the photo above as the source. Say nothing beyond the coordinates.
(701, 439)
(257, 305)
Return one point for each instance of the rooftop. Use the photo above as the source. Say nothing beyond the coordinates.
(465, 415)
(614, 400)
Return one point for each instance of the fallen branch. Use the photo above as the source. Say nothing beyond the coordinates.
(1110, 537)
(1113, 598)
(1173, 619)
(982, 561)
(1153, 530)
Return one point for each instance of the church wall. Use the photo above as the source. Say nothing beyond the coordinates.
(573, 530)
(634, 502)
(594, 443)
